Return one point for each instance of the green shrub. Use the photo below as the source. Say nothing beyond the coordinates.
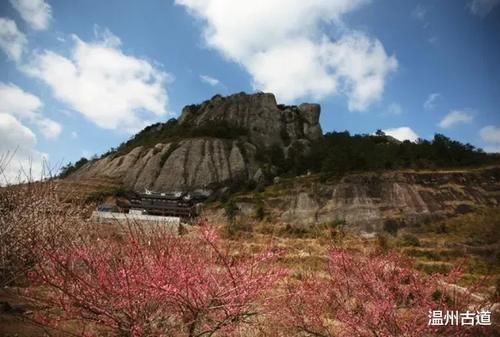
(383, 242)
(295, 231)
(70, 167)
(232, 229)
(338, 234)
(217, 129)
(433, 268)
(410, 240)
(437, 294)
(171, 131)
(260, 211)
(250, 185)
(99, 196)
(231, 210)
(391, 226)
(336, 223)
(172, 147)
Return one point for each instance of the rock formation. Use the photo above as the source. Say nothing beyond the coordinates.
(208, 162)
(267, 123)
(367, 200)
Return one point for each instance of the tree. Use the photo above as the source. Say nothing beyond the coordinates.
(260, 211)
(33, 213)
(70, 167)
(231, 210)
(391, 226)
(153, 285)
(370, 296)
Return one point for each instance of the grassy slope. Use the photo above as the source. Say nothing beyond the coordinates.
(471, 241)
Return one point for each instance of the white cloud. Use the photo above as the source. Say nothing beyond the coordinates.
(455, 117)
(282, 46)
(492, 149)
(86, 154)
(49, 128)
(17, 134)
(482, 7)
(303, 75)
(430, 102)
(209, 80)
(490, 134)
(110, 88)
(433, 39)
(37, 13)
(419, 12)
(25, 106)
(403, 133)
(394, 109)
(19, 158)
(74, 134)
(17, 102)
(12, 41)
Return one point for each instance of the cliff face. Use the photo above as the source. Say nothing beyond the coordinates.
(184, 165)
(208, 162)
(367, 200)
(259, 114)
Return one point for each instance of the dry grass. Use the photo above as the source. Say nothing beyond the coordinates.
(470, 241)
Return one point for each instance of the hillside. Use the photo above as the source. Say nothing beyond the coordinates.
(375, 201)
(245, 140)
(214, 144)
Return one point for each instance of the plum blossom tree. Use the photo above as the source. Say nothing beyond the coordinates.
(373, 296)
(32, 213)
(153, 285)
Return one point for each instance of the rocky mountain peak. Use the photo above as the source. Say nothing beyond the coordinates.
(220, 142)
(267, 122)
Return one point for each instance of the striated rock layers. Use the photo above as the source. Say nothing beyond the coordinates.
(367, 200)
(208, 162)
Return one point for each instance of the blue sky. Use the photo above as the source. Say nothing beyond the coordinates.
(78, 77)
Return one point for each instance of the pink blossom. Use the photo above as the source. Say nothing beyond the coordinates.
(188, 286)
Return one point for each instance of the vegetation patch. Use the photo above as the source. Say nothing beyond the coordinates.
(171, 148)
(172, 131)
(71, 168)
(339, 153)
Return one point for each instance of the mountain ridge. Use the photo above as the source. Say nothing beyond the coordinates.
(246, 140)
(211, 145)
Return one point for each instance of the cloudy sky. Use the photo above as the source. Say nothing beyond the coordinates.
(80, 76)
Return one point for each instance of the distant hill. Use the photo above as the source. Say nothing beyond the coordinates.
(243, 141)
